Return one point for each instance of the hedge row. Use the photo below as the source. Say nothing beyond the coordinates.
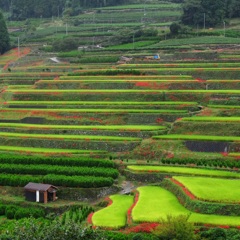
(16, 212)
(65, 161)
(201, 206)
(58, 180)
(63, 170)
(203, 162)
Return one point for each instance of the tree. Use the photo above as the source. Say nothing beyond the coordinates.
(205, 12)
(4, 36)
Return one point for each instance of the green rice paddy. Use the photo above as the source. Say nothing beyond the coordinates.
(68, 137)
(115, 215)
(86, 127)
(184, 170)
(198, 137)
(212, 189)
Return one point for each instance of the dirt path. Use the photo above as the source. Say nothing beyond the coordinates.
(127, 187)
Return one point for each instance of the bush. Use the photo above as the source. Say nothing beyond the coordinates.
(10, 211)
(177, 228)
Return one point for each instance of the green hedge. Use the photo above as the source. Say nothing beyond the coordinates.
(74, 161)
(58, 180)
(200, 206)
(202, 162)
(43, 169)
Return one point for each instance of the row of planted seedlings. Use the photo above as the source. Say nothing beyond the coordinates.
(68, 171)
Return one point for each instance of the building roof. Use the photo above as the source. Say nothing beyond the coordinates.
(39, 187)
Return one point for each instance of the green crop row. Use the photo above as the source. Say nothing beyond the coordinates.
(86, 127)
(198, 137)
(62, 161)
(58, 180)
(69, 91)
(182, 65)
(211, 119)
(128, 77)
(58, 170)
(225, 106)
(49, 150)
(68, 137)
(96, 103)
(92, 110)
(202, 162)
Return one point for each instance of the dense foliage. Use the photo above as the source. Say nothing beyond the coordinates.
(22, 9)
(4, 36)
(208, 13)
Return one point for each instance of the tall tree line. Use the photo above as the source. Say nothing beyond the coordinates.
(22, 9)
(209, 13)
(4, 36)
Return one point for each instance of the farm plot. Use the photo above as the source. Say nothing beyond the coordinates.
(156, 203)
(106, 130)
(184, 170)
(198, 137)
(68, 171)
(209, 189)
(115, 215)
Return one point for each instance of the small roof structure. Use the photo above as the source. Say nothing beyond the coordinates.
(40, 187)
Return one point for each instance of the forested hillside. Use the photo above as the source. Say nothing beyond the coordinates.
(22, 9)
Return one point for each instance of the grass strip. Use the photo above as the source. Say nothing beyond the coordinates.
(184, 170)
(212, 189)
(68, 137)
(198, 137)
(92, 110)
(210, 119)
(87, 127)
(225, 106)
(36, 91)
(96, 103)
(115, 215)
(47, 150)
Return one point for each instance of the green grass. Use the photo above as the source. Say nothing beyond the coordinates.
(156, 203)
(67, 137)
(97, 103)
(211, 119)
(184, 170)
(212, 189)
(46, 150)
(86, 127)
(115, 215)
(198, 137)
(132, 45)
(92, 110)
(198, 218)
(197, 41)
(69, 91)
(224, 106)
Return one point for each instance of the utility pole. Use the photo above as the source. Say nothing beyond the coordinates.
(224, 28)
(133, 42)
(18, 47)
(204, 21)
(66, 29)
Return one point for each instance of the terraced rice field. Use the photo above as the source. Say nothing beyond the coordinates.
(209, 189)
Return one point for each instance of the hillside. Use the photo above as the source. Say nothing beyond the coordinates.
(127, 120)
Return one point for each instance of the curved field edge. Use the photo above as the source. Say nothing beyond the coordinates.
(209, 189)
(115, 215)
(156, 203)
(183, 170)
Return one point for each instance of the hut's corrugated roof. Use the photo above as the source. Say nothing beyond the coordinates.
(38, 186)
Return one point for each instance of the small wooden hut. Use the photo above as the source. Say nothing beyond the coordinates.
(38, 192)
